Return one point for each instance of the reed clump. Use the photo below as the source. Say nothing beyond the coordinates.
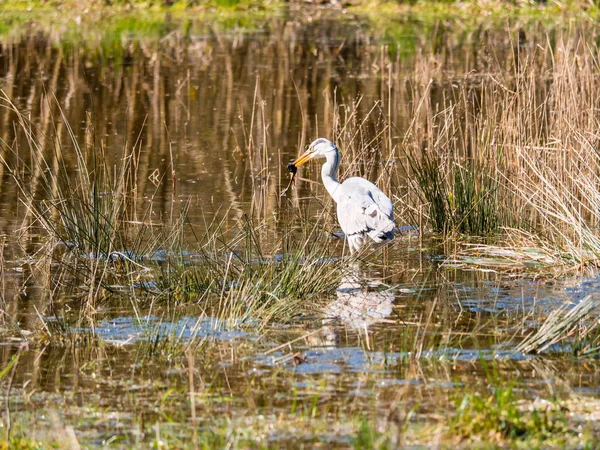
(80, 205)
(246, 278)
(514, 152)
(83, 207)
(460, 199)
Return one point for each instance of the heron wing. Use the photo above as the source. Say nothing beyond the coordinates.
(383, 202)
(363, 209)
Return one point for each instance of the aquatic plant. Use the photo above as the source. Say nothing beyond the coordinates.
(503, 151)
(93, 234)
(83, 211)
(254, 281)
(560, 325)
(500, 416)
(461, 199)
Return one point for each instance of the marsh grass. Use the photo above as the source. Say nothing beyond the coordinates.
(252, 280)
(558, 325)
(508, 164)
(94, 239)
(368, 436)
(83, 207)
(505, 149)
(507, 155)
(462, 199)
(83, 212)
(510, 154)
(288, 407)
(573, 325)
(499, 416)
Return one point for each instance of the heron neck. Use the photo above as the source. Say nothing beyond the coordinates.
(329, 173)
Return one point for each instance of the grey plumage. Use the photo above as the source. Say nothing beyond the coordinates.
(363, 211)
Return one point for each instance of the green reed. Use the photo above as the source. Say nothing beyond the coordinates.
(243, 278)
(462, 200)
(83, 207)
(500, 416)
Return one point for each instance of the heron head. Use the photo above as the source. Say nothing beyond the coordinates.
(317, 149)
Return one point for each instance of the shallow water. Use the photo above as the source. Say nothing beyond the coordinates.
(418, 341)
(214, 112)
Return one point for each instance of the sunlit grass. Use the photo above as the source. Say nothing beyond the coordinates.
(500, 419)
(499, 416)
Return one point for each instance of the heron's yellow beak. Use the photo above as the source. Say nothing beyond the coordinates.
(306, 156)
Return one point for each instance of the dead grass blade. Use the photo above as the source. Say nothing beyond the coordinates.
(559, 325)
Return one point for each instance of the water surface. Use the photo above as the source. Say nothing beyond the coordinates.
(213, 112)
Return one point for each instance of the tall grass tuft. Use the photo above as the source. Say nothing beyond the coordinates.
(561, 325)
(77, 202)
(462, 199)
(245, 278)
(83, 207)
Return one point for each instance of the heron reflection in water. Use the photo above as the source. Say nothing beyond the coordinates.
(359, 304)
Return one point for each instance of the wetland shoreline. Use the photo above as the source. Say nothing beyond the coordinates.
(465, 14)
(157, 291)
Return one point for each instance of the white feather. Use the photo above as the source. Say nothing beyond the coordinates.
(362, 209)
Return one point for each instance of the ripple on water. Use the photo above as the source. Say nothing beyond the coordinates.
(359, 360)
(129, 330)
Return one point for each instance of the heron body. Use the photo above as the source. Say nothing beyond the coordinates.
(363, 211)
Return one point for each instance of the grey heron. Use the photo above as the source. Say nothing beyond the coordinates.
(362, 209)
